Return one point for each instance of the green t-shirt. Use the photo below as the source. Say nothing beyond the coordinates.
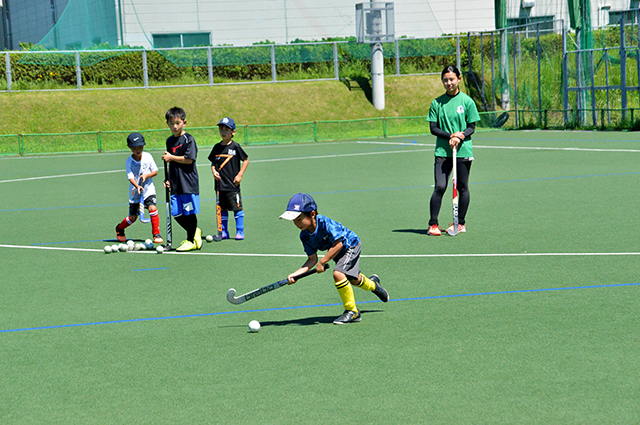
(453, 114)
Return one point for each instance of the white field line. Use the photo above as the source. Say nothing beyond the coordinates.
(60, 175)
(299, 158)
(238, 254)
(512, 147)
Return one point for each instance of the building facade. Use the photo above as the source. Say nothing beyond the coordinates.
(80, 24)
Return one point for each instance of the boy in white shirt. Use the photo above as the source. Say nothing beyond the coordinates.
(141, 168)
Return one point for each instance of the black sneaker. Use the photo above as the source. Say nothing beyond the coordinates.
(379, 291)
(120, 235)
(348, 317)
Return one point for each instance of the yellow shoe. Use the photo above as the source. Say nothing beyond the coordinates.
(198, 238)
(187, 246)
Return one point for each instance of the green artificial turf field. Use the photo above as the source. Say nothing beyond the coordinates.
(529, 317)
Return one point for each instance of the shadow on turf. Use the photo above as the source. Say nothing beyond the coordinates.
(308, 321)
(418, 231)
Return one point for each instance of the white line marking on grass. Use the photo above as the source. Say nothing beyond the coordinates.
(208, 166)
(340, 155)
(512, 147)
(51, 248)
(246, 254)
(60, 175)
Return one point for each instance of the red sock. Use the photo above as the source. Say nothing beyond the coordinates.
(155, 222)
(124, 224)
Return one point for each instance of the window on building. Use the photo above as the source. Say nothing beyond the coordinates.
(615, 16)
(531, 30)
(182, 40)
(546, 22)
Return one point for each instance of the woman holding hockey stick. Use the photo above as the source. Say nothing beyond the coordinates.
(452, 118)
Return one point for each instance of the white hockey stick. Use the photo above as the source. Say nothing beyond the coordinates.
(454, 180)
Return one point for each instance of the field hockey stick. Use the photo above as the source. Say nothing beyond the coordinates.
(168, 197)
(143, 217)
(257, 292)
(218, 237)
(454, 179)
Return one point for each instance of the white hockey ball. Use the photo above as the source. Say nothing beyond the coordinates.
(254, 326)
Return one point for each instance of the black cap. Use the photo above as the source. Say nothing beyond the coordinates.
(135, 139)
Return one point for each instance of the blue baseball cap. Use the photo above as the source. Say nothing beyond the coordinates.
(299, 203)
(228, 122)
(135, 139)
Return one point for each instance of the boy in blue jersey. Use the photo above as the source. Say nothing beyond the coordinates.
(320, 233)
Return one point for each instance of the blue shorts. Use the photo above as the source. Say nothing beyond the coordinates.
(185, 204)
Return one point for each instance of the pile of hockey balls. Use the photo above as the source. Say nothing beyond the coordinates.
(129, 246)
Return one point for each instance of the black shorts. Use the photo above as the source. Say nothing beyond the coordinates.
(134, 207)
(230, 201)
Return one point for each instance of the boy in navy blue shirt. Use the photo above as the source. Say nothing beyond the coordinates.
(320, 233)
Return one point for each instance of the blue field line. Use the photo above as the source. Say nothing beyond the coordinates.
(147, 270)
(222, 313)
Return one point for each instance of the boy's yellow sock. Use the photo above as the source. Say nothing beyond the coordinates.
(346, 293)
(366, 283)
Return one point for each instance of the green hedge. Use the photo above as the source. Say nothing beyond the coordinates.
(250, 63)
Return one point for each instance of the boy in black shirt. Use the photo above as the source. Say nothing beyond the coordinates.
(228, 164)
(183, 178)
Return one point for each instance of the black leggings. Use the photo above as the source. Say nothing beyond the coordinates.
(442, 170)
(188, 223)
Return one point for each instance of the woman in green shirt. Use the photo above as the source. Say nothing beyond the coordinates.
(452, 118)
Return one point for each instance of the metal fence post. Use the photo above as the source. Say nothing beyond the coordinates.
(623, 69)
(565, 77)
(594, 113)
(515, 75)
(273, 64)
(493, 75)
(99, 141)
(458, 51)
(8, 70)
(539, 70)
(336, 63)
(482, 62)
(210, 65)
(606, 80)
(78, 71)
(145, 69)
(397, 43)
(315, 131)
(20, 145)
(637, 20)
